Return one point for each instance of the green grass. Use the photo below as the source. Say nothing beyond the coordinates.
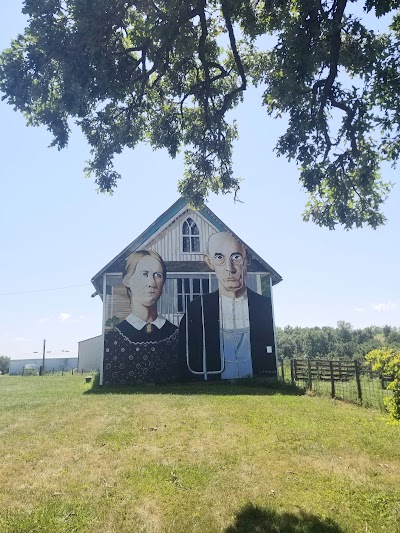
(192, 458)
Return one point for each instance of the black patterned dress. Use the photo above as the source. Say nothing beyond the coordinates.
(149, 355)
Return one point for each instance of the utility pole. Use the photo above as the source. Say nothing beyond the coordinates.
(44, 355)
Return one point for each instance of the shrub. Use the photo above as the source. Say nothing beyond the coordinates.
(4, 364)
(387, 361)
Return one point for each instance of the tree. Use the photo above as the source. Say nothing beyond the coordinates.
(394, 338)
(316, 343)
(169, 71)
(285, 345)
(4, 364)
(332, 343)
(344, 331)
(386, 330)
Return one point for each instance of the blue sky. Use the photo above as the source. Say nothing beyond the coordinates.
(58, 232)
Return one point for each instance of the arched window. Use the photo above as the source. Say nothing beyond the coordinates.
(190, 236)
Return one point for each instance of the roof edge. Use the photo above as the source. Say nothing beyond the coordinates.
(172, 211)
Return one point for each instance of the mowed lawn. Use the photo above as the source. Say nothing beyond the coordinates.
(194, 458)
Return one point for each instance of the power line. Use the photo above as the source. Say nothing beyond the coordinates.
(43, 290)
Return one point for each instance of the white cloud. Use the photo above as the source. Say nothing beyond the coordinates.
(64, 316)
(386, 306)
(359, 309)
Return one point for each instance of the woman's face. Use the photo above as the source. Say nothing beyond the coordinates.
(147, 282)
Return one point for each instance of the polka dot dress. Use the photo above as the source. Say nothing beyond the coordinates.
(133, 357)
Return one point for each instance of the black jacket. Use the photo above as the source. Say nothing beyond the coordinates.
(261, 336)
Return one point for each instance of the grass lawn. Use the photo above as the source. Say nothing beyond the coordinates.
(194, 458)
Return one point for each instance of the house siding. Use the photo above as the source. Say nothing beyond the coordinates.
(168, 243)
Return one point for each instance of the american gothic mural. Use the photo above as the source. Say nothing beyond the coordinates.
(202, 312)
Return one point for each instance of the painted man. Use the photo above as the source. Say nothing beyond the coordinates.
(229, 333)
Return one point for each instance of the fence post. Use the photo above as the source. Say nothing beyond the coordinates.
(332, 379)
(292, 362)
(358, 380)
(309, 375)
(282, 370)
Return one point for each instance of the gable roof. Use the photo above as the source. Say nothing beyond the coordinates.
(159, 224)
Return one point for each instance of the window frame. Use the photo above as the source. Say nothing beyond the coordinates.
(190, 236)
(188, 296)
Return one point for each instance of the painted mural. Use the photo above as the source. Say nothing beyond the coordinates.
(225, 334)
(228, 334)
(143, 348)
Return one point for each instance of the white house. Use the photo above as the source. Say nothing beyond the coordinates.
(180, 236)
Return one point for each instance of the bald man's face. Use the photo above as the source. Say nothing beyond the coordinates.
(227, 257)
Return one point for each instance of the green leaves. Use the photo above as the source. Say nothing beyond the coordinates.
(321, 73)
(156, 72)
(344, 191)
(387, 361)
(129, 72)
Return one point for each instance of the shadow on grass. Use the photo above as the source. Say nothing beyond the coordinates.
(263, 520)
(245, 387)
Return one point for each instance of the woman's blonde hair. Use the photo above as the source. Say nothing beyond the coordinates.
(132, 262)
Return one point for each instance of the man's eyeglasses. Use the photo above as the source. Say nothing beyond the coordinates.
(236, 259)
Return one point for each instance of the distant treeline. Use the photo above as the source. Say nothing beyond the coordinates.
(342, 342)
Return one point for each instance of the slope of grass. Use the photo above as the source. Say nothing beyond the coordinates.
(193, 458)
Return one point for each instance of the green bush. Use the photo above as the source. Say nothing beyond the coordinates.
(4, 364)
(387, 361)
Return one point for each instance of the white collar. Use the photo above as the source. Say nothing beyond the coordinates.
(139, 324)
(237, 300)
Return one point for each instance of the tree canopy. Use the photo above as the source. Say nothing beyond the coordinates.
(4, 364)
(168, 72)
(332, 343)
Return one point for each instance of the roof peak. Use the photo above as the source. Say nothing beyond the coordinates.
(166, 218)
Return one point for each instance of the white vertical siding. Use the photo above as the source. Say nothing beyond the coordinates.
(168, 243)
(89, 354)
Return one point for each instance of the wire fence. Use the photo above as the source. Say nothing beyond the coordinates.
(349, 380)
(49, 371)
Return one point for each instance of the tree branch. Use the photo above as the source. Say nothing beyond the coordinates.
(229, 97)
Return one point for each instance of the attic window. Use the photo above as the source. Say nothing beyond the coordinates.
(190, 236)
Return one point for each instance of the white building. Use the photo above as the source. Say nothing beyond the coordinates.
(58, 364)
(90, 354)
(180, 236)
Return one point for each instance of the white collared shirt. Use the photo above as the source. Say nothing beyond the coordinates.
(139, 324)
(235, 312)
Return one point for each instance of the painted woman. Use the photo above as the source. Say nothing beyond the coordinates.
(143, 348)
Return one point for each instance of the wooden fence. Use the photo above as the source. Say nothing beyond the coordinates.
(350, 380)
